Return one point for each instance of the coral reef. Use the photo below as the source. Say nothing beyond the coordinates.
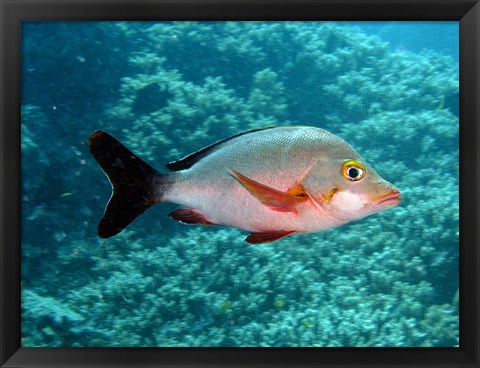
(167, 89)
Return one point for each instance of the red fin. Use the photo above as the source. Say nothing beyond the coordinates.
(270, 197)
(190, 216)
(298, 191)
(267, 236)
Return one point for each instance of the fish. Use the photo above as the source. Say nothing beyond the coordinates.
(273, 182)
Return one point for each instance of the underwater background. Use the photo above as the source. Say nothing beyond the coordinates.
(166, 89)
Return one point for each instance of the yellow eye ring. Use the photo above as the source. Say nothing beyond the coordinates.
(353, 170)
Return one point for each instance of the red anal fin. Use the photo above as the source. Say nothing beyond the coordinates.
(270, 197)
(267, 236)
(190, 216)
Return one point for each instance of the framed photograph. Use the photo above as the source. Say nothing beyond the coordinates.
(241, 183)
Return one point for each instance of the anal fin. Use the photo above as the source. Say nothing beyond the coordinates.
(190, 215)
(268, 236)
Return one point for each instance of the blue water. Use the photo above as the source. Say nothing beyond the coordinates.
(390, 89)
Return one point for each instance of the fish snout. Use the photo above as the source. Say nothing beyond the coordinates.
(392, 198)
(393, 195)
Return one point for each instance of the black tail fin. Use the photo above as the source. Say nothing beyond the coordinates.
(133, 182)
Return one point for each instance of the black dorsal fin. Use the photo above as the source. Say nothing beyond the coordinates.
(190, 160)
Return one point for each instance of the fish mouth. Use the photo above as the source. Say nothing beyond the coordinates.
(391, 199)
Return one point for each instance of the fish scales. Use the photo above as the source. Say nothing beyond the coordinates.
(286, 156)
(272, 182)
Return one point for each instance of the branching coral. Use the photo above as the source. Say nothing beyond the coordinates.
(388, 280)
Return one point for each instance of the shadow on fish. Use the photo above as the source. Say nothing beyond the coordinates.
(272, 182)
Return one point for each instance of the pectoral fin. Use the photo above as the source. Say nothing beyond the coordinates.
(267, 236)
(270, 197)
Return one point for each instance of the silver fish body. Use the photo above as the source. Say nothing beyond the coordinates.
(273, 182)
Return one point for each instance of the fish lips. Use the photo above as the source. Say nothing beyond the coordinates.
(390, 200)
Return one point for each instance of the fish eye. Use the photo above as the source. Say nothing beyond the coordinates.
(353, 170)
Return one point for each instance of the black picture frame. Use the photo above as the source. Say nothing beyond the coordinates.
(13, 12)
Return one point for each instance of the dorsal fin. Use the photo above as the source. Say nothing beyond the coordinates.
(190, 160)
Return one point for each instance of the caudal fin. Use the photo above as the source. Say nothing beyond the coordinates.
(134, 183)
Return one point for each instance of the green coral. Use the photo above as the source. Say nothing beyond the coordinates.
(388, 280)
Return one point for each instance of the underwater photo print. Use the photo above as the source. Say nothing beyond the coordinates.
(240, 184)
